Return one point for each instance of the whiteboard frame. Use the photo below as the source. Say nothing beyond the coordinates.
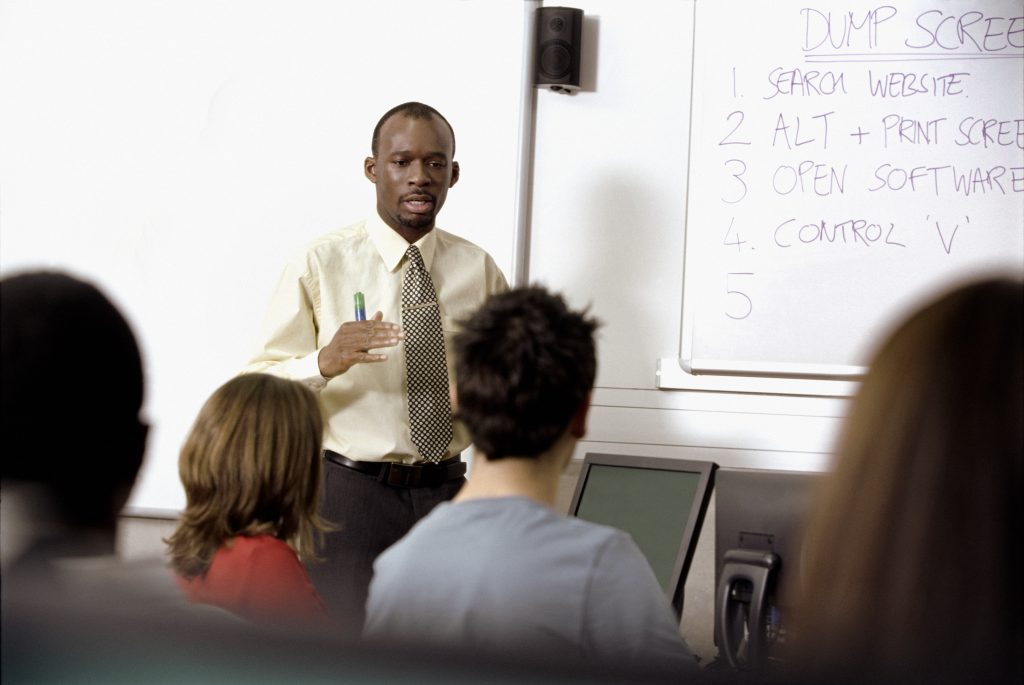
(672, 375)
(691, 373)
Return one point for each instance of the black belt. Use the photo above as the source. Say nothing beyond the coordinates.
(404, 475)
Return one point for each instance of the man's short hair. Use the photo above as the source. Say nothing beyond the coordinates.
(413, 110)
(524, 365)
(72, 389)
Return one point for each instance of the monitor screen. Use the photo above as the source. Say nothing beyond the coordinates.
(759, 522)
(659, 501)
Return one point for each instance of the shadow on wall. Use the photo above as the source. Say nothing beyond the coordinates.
(621, 269)
(589, 53)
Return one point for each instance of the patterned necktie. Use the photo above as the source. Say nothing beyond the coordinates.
(430, 410)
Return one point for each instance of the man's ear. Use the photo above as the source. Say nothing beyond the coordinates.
(370, 168)
(455, 174)
(578, 423)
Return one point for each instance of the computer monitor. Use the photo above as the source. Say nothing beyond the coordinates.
(759, 521)
(659, 501)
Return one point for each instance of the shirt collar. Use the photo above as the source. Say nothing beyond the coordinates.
(392, 246)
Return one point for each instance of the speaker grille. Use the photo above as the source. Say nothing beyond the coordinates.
(555, 59)
(557, 48)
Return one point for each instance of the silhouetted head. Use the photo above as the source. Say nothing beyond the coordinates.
(72, 389)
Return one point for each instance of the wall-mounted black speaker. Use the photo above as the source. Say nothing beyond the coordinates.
(559, 35)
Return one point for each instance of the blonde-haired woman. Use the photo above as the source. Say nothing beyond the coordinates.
(251, 471)
(909, 564)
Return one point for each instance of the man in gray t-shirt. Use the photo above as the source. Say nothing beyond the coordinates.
(497, 570)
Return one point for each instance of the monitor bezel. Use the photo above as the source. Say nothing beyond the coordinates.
(695, 518)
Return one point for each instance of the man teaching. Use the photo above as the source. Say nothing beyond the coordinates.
(391, 450)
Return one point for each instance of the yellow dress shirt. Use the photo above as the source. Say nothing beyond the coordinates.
(366, 408)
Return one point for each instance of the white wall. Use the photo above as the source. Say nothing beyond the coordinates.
(177, 152)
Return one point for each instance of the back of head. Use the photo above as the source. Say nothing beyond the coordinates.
(250, 465)
(909, 552)
(72, 390)
(524, 364)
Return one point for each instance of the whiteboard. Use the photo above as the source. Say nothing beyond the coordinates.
(846, 162)
(178, 153)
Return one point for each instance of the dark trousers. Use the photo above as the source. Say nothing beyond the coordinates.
(369, 517)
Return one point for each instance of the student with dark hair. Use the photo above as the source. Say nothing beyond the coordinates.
(498, 570)
(61, 497)
(910, 569)
(48, 317)
(392, 451)
(71, 381)
(251, 471)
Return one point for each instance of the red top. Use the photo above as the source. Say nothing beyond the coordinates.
(258, 578)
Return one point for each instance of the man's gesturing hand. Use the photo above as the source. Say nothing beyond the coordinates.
(352, 344)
